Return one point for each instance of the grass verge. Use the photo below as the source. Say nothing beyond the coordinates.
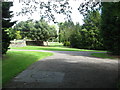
(53, 48)
(103, 55)
(15, 62)
(55, 44)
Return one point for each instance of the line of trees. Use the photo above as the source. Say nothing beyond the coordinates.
(99, 31)
(36, 30)
(86, 36)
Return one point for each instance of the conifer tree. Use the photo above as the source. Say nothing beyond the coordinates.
(6, 23)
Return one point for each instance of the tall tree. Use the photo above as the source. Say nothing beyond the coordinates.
(92, 23)
(111, 26)
(65, 30)
(6, 23)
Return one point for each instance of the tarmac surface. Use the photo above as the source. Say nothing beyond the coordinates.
(68, 69)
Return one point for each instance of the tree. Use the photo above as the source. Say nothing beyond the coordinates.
(6, 23)
(111, 26)
(88, 35)
(46, 9)
(65, 30)
(24, 27)
(75, 39)
(53, 33)
(38, 30)
(92, 23)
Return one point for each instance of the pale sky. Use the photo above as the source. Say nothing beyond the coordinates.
(76, 16)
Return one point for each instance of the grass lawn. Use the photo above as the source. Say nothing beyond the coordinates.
(15, 62)
(52, 48)
(103, 55)
(55, 44)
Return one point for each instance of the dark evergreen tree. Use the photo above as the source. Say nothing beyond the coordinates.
(92, 23)
(111, 26)
(6, 18)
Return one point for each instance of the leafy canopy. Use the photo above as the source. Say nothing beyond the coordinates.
(36, 30)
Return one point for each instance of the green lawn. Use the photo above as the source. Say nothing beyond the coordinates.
(102, 55)
(52, 48)
(15, 62)
(55, 44)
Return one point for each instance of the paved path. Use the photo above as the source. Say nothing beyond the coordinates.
(68, 69)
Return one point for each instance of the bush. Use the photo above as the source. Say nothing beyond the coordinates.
(18, 36)
(66, 43)
(83, 39)
(11, 33)
(75, 40)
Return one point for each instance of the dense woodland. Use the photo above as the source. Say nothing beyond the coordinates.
(100, 30)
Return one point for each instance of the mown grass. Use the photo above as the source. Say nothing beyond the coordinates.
(103, 55)
(15, 62)
(55, 44)
(53, 48)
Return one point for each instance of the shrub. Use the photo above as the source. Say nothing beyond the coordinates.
(18, 36)
(11, 33)
(66, 43)
(75, 39)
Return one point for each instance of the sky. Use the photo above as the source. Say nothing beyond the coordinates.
(76, 16)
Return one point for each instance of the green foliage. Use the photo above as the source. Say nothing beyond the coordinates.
(18, 36)
(65, 30)
(11, 32)
(6, 15)
(66, 43)
(6, 23)
(86, 36)
(111, 26)
(92, 25)
(75, 39)
(92, 35)
(38, 30)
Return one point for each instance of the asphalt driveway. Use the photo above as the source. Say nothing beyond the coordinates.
(68, 69)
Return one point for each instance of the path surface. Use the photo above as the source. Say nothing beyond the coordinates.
(68, 69)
